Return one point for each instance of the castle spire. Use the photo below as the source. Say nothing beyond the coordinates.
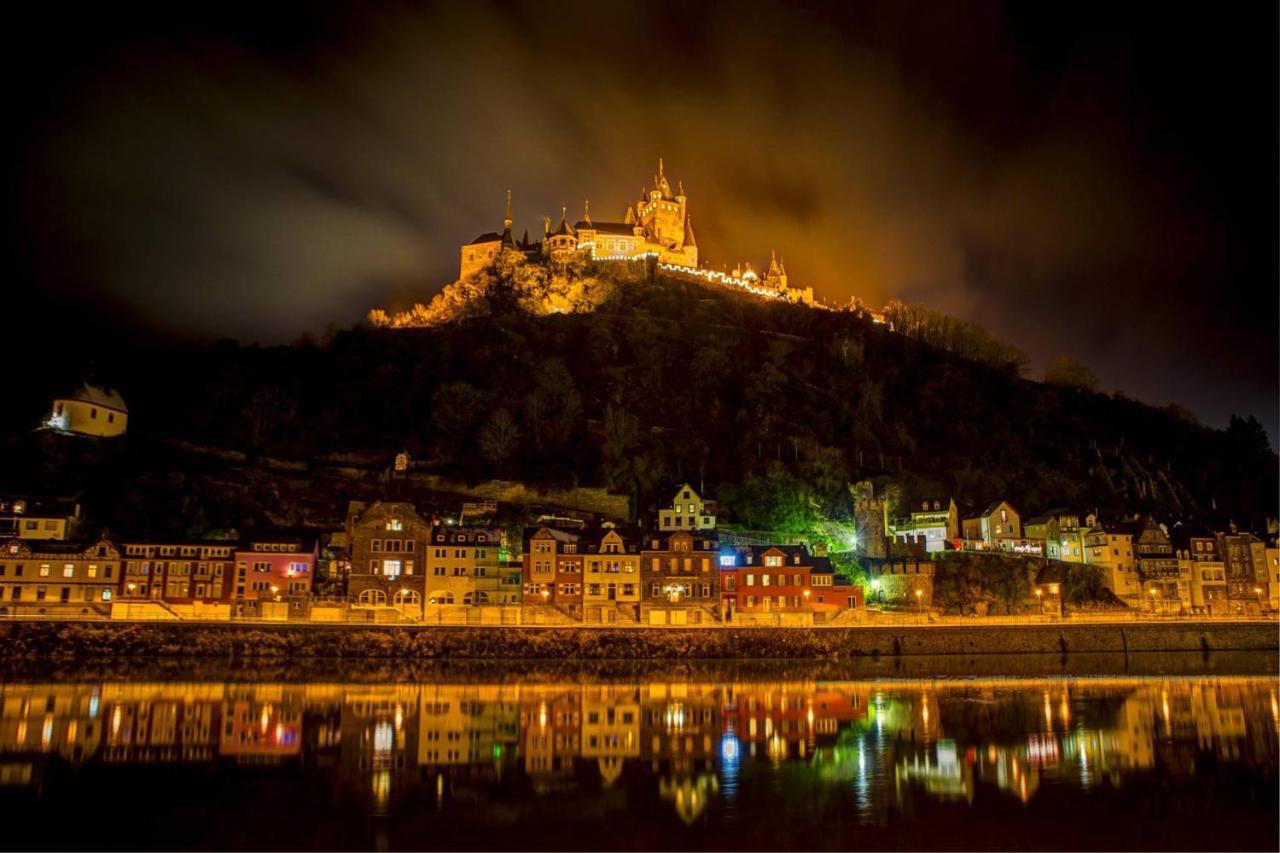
(586, 210)
(774, 269)
(660, 175)
(506, 221)
(688, 232)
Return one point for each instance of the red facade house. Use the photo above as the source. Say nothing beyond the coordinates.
(275, 567)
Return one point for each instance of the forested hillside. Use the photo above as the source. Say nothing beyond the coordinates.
(775, 407)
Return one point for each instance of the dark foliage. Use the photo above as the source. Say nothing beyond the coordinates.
(675, 381)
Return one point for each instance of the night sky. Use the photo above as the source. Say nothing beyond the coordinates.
(1097, 181)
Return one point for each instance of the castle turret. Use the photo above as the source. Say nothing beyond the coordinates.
(507, 240)
(776, 277)
(562, 242)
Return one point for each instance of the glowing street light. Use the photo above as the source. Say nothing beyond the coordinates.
(920, 603)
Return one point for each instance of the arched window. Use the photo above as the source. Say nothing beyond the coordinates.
(407, 596)
(372, 597)
(440, 598)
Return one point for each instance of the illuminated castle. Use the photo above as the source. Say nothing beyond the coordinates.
(654, 226)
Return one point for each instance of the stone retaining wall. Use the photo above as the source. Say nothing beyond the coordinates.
(50, 639)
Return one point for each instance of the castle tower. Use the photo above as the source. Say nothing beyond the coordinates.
(776, 277)
(662, 215)
(481, 252)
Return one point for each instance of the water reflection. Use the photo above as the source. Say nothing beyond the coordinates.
(706, 753)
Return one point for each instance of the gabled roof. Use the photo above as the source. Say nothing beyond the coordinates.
(487, 237)
(1182, 534)
(99, 395)
(753, 555)
(555, 533)
(618, 228)
(995, 506)
(698, 536)
(466, 535)
(593, 538)
(303, 539)
(1119, 528)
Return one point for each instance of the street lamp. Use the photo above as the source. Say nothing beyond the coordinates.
(920, 603)
(275, 592)
(1154, 592)
(1257, 590)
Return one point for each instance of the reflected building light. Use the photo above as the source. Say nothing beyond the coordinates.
(383, 738)
(381, 789)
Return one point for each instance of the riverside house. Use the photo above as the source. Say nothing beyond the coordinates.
(387, 542)
(58, 578)
(680, 583)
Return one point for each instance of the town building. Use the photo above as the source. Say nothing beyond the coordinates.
(611, 574)
(688, 511)
(1109, 545)
(38, 518)
(1165, 588)
(179, 572)
(275, 568)
(771, 579)
(933, 522)
(552, 569)
(679, 577)
(387, 542)
(464, 566)
(49, 577)
(1271, 572)
(1061, 532)
(1199, 556)
(93, 410)
(1240, 551)
(998, 526)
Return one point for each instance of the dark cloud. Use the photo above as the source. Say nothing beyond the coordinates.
(1082, 180)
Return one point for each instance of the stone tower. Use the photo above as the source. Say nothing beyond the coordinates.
(868, 514)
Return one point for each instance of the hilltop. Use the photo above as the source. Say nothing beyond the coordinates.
(775, 407)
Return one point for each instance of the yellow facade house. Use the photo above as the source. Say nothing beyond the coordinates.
(90, 410)
(611, 574)
(464, 567)
(28, 518)
(688, 511)
(57, 577)
(1110, 546)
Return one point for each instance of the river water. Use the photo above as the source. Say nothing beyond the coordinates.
(730, 756)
